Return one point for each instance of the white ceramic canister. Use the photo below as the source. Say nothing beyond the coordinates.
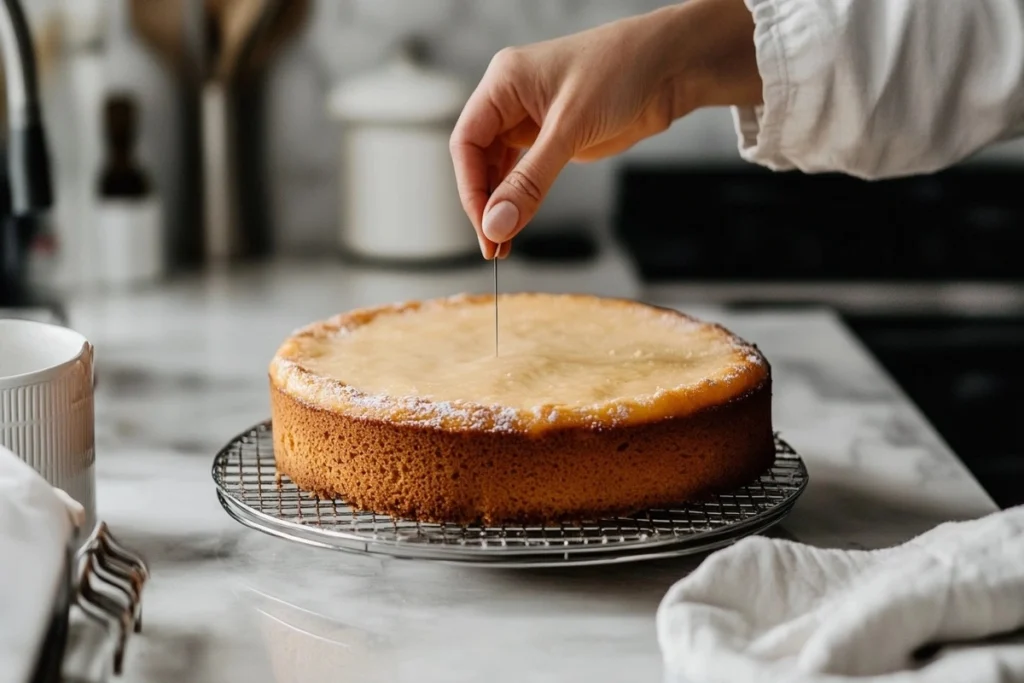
(399, 199)
(46, 406)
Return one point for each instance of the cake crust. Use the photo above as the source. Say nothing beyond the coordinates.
(287, 372)
(462, 463)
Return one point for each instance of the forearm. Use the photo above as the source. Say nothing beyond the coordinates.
(707, 55)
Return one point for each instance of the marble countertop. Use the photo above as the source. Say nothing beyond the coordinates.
(181, 369)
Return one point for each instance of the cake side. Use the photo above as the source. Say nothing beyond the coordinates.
(573, 471)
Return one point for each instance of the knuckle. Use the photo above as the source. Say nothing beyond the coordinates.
(506, 59)
(522, 183)
(563, 124)
(460, 147)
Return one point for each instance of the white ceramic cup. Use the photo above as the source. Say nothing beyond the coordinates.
(46, 406)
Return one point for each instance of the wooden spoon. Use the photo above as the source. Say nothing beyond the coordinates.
(232, 23)
(280, 22)
(162, 24)
(229, 24)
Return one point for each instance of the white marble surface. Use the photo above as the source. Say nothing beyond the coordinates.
(182, 368)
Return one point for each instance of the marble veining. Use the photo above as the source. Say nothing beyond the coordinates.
(182, 368)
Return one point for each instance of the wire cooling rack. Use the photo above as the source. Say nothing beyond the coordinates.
(250, 490)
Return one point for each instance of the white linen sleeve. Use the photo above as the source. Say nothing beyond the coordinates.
(883, 88)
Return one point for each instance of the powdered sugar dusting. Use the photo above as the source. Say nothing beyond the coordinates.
(412, 409)
(741, 368)
(460, 415)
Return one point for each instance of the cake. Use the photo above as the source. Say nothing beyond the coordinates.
(591, 407)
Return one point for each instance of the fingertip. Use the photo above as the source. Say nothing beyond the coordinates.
(500, 221)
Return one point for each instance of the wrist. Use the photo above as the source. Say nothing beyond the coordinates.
(706, 54)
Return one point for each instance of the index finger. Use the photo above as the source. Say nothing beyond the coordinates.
(488, 113)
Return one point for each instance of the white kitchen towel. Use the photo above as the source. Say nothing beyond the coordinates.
(36, 524)
(770, 610)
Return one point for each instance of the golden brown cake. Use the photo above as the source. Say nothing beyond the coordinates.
(592, 407)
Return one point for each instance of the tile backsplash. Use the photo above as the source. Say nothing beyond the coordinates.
(344, 37)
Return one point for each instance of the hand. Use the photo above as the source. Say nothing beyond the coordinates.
(588, 96)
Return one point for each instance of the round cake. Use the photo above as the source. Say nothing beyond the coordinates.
(588, 407)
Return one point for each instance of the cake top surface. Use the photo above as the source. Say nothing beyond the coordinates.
(562, 359)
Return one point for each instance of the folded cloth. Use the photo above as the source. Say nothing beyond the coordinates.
(769, 610)
(36, 525)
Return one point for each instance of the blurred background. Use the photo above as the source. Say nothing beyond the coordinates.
(193, 136)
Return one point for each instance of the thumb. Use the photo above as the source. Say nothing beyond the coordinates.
(515, 201)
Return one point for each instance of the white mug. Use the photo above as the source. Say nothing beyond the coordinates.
(46, 406)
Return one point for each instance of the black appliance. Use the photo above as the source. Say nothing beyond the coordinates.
(912, 244)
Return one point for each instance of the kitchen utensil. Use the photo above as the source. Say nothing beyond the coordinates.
(399, 200)
(103, 560)
(46, 405)
(218, 51)
(250, 491)
(220, 227)
(250, 32)
(235, 26)
(243, 34)
(229, 23)
(175, 30)
(162, 24)
(233, 23)
(495, 260)
(280, 21)
(107, 582)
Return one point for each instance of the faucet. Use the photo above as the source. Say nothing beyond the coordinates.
(27, 159)
(28, 163)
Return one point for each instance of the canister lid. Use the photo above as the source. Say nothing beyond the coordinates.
(404, 90)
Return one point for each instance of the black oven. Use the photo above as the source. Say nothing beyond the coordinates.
(927, 271)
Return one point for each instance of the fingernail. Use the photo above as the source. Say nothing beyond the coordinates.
(500, 222)
(483, 245)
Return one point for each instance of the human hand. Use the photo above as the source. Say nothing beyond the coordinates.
(588, 96)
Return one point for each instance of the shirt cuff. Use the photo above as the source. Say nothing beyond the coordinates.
(785, 35)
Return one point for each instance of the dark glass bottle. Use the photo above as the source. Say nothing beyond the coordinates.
(121, 176)
(129, 239)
